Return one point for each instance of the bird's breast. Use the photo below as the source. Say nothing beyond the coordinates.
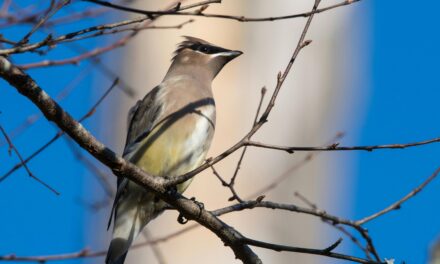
(179, 143)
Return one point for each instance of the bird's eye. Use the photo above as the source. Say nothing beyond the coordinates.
(204, 49)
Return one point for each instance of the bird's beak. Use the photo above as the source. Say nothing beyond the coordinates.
(231, 54)
(234, 53)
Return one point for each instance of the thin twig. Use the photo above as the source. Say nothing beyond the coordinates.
(93, 53)
(258, 203)
(335, 225)
(160, 257)
(96, 62)
(100, 30)
(49, 14)
(5, 7)
(286, 174)
(215, 172)
(398, 204)
(335, 147)
(73, 17)
(33, 118)
(86, 253)
(199, 4)
(130, 29)
(57, 135)
(101, 176)
(22, 162)
(176, 12)
(243, 152)
(323, 252)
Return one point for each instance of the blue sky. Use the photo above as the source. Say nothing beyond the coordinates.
(34, 221)
(402, 106)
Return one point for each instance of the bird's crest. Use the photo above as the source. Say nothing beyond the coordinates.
(191, 43)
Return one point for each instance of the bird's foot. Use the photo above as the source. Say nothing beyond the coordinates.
(181, 219)
(199, 204)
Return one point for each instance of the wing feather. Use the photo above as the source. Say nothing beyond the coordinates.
(142, 118)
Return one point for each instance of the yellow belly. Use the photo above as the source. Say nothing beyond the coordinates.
(174, 150)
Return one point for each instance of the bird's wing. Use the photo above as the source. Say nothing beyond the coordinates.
(142, 118)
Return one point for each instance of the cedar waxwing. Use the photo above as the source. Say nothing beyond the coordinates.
(169, 134)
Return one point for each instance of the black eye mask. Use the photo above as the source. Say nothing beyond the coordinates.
(207, 49)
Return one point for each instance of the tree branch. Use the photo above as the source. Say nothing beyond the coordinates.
(176, 12)
(397, 205)
(335, 146)
(29, 172)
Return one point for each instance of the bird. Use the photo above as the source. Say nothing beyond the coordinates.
(169, 133)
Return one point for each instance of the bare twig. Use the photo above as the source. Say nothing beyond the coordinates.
(398, 204)
(33, 118)
(101, 176)
(176, 12)
(77, 16)
(231, 183)
(323, 252)
(105, 70)
(335, 225)
(86, 253)
(240, 160)
(199, 4)
(160, 257)
(23, 15)
(235, 195)
(246, 205)
(33, 155)
(335, 147)
(12, 147)
(130, 29)
(100, 30)
(5, 7)
(57, 135)
(49, 14)
(286, 174)
(93, 53)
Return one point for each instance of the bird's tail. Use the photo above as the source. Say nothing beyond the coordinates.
(114, 255)
(130, 218)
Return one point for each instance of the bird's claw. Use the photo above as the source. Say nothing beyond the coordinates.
(181, 219)
(199, 204)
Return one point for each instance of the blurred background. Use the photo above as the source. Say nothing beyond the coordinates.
(369, 77)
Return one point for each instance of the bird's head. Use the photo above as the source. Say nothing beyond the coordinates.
(197, 54)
